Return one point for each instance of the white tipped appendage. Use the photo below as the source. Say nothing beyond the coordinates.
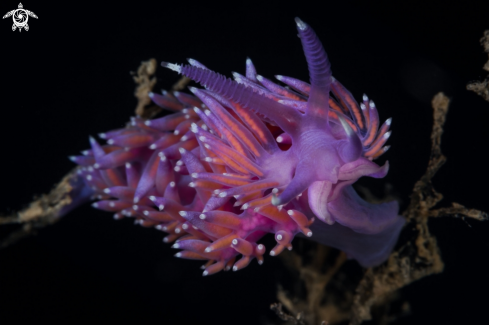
(348, 130)
(171, 66)
(202, 216)
(196, 64)
(275, 200)
(300, 24)
(237, 77)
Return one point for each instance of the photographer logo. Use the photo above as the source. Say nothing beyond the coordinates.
(20, 17)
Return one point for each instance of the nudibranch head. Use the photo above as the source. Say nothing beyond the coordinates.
(246, 157)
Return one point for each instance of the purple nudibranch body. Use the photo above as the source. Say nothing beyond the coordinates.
(246, 157)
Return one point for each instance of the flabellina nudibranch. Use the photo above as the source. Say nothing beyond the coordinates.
(246, 157)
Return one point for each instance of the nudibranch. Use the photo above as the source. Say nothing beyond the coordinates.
(245, 157)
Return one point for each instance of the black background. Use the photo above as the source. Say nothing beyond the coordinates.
(68, 77)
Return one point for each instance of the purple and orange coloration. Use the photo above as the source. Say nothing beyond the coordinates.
(247, 157)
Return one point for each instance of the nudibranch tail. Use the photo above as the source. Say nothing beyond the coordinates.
(246, 157)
